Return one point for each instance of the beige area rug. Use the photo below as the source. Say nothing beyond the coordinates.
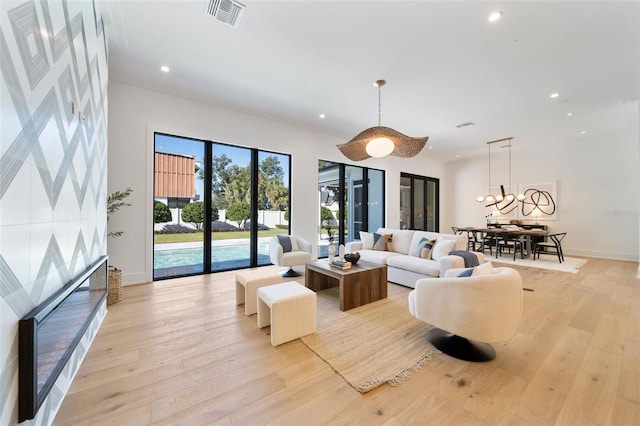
(570, 264)
(371, 345)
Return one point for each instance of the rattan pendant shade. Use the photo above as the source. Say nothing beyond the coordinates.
(403, 145)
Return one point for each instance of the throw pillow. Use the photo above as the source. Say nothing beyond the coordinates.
(426, 248)
(367, 240)
(294, 243)
(380, 241)
(285, 242)
(389, 242)
(466, 273)
(443, 247)
(483, 269)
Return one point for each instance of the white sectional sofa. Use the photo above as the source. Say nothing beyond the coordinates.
(404, 264)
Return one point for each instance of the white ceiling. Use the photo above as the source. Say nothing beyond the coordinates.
(444, 63)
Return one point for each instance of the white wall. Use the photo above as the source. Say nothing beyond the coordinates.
(597, 177)
(135, 113)
(597, 180)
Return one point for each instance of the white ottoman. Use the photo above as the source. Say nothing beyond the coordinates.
(290, 309)
(248, 282)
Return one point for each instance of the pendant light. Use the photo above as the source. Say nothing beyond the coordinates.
(380, 141)
(489, 198)
(509, 197)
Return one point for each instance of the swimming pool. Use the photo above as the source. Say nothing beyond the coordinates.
(193, 256)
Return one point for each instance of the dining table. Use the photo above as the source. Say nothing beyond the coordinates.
(524, 235)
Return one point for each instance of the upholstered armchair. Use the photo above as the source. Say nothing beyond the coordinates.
(289, 250)
(469, 312)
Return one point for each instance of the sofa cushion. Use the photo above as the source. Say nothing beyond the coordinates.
(415, 264)
(374, 256)
(367, 240)
(401, 239)
(483, 269)
(285, 242)
(426, 252)
(443, 247)
(461, 240)
(466, 273)
(416, 245)
(380, 241)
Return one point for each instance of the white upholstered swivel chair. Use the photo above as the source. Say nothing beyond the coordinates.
(470, 312)
(289, 250)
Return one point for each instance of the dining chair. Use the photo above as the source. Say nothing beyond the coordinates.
(553, 246)
(480, 241)
(488, 241)
(510, 242)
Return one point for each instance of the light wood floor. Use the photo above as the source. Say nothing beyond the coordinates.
(180, 352)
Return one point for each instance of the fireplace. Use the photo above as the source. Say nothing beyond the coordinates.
(49, 334)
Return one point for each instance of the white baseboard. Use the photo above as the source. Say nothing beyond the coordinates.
(630, 257)
(136, 278)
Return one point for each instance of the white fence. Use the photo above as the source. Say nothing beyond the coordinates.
(265, 217)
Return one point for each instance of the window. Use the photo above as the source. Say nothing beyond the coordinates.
(224, 204)
(419, 202)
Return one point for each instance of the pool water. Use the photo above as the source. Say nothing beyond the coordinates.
(193, 256)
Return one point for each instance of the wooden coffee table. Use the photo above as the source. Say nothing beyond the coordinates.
(363, 283)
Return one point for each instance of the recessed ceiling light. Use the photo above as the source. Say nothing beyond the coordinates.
(322, 116)
(495, 16)
(164, 68)
(430, 147)
(554, 95)
(584, 132)
(457, 155)
(569, 114)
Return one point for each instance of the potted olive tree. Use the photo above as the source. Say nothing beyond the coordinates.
(115, 202)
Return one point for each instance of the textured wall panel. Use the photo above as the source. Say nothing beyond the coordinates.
(52, 169)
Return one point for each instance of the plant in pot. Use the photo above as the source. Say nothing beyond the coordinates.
(331, 236)
(115, 202)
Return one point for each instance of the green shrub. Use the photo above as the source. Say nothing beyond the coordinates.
(161, 212)
(326, 215)
(193, 213)
(239, 212)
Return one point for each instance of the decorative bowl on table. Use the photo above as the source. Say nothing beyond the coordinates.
(352, 257)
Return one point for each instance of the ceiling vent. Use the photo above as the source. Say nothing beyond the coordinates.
(225, 11)
(468, 123)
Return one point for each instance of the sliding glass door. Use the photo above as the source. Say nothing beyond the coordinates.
(178, 207)
(216, 206)
(419, 205)
(351, 200)
(231, 200)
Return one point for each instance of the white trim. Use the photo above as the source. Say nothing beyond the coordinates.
(137, 278)
(602, 255)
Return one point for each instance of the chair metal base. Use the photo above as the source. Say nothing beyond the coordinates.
(291, 273)
(459, 347)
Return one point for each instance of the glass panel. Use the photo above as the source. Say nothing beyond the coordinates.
(405, 202)
(329, 196)
(431, 206)
(354, 207)
(273, 200)
(231, 199)
(178, 215)
(418, 204)
(375, 202)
